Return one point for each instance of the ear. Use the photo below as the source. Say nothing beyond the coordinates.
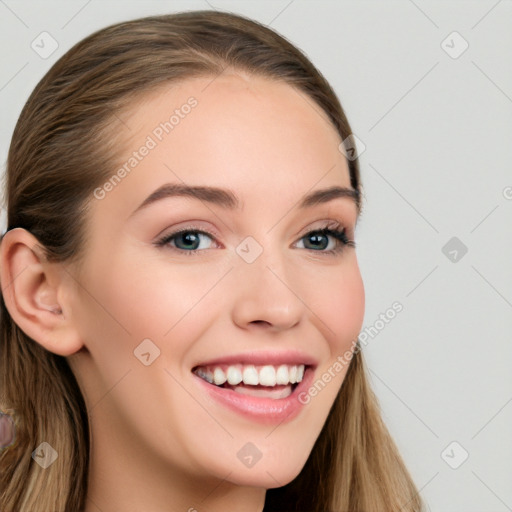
(37, 293)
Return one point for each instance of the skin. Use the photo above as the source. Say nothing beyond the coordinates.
(158, 442)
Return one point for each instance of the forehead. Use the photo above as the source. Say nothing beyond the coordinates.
(260, 137)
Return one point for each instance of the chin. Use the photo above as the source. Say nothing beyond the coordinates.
(265, 477)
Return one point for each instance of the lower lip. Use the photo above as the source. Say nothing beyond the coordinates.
(263, 410)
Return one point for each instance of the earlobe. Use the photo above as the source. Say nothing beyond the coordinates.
(34, 293)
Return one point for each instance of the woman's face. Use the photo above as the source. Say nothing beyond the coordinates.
(252, 297)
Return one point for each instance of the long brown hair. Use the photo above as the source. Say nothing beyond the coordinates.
(61, 150)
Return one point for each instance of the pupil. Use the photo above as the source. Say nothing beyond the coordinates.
(316, 237)
(189, 238)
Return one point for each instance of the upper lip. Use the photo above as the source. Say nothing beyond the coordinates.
(259, 358)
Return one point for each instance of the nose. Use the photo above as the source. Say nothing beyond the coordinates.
(266, 295)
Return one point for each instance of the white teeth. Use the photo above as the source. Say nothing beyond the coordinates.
(293, 375)
(267, 375)
(234, 375)
(219, 377)
(282, 375)
(274, 393)
(250, 375)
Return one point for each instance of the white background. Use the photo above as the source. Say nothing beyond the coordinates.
(437, 133)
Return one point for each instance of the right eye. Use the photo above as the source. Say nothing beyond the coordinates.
(185, 240)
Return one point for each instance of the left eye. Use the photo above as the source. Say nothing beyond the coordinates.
(189, 240)
(339, 236)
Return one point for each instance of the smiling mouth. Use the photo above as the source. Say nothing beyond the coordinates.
(265, 381)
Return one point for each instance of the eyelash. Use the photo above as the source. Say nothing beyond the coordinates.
(335, 230)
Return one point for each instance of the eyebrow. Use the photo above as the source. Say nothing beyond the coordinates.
(228, 199)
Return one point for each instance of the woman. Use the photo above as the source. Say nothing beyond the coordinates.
(145, 370)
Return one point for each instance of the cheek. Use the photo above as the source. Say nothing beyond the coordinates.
(340, 305)
(148, 299)
(129, 303)
(166, 301)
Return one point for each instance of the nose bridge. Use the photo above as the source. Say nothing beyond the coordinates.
(266, 282)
